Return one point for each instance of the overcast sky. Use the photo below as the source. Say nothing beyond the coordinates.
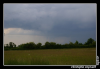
(53, 22)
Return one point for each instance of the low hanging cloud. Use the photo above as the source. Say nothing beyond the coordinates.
(20, 36)
(19, 31)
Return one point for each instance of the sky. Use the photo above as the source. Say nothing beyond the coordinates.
(52, 22)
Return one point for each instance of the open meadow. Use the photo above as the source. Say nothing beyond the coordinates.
(75, 56)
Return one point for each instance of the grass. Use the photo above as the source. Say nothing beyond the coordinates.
(77, 56)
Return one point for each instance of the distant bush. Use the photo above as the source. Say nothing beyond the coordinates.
(50, 45)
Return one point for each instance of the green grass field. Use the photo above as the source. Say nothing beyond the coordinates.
(75, 56)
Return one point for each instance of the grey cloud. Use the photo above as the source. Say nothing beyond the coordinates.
(53, 20)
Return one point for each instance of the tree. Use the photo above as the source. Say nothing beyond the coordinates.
(80, 43)
(14, 45)
(58, 46)
(94, 43)
(52, 45)
(76, 43)
(38, 45)
(70, 43)
(47, 45)
(85, 43)
(43, 47)
(11, 44)
(31, 45)
(21, 46)
(65, 45)
(89, 41)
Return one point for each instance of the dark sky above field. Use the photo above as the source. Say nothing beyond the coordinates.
(53, 22)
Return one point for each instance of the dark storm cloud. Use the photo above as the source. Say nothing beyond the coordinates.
(69, 20)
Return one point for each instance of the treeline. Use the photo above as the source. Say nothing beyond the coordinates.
(49, 45)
